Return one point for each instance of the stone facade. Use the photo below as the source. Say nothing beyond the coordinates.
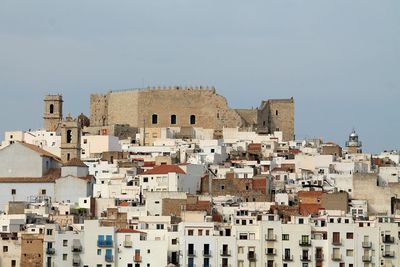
(70, 139)
(188, 107)
(52, 112)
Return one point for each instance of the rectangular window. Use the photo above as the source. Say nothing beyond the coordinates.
(349, 235)
(190, 232)
(65, 257)
(285, 237)
(13, 191)
(65, 243)
(5, 248)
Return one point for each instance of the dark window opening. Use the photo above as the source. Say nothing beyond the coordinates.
(173, 119)
(51, 108)
(69, 136)
(192, 119)
(154, 119)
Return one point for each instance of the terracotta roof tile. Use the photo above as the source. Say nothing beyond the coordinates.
(40, 151)
(164, 169)
(75, 163)
(133, 231)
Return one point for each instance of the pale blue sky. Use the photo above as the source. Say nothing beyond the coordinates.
(339, 59)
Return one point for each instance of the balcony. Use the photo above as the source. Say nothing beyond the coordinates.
(388, 239)
(270, 252)
(109, 258)
(104, 243)
(76, 261)
(366, 244)
(366, 258)
(337, 257)
(76, 248)
(270, 237)
(137, 258)
(207, 253)
(191, 253)
(337, 242)
(287, 257)
(388, 254)
(128, 244)
(50, 251)
(226, 253)
(305, 257)
(251, 256)
(305, 243)
(319, 257)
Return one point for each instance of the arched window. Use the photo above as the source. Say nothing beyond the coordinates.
(51, 108)
(69, 136)
(192, 119)
(154, 119)
(173, 119)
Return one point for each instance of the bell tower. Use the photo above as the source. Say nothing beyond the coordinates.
(70, 139)
(52, 112)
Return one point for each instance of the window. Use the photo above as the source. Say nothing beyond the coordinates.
(285, 237)
(276, 112)
(69, 136)
(174, 241)
(190, 232)
(13, 191)
(99, 252)
(85, 141)
(192, 119)
(212, 150)
(68, 156)
(200, 232)
(65, 243)
(243, 236)
(349, 253)
(173, 119)
(49, 232)
(240, 250)
(65, 257)
(145, 179)
(44, 192)
(349, 235)
(51, 108)
(5, 248)
(154, 119)
(160, 226)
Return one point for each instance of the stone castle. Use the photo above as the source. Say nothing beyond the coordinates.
(199, 107)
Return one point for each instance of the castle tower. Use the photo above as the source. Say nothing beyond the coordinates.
(277, 115)
(52, 112)
(70, 139)
(353, 144)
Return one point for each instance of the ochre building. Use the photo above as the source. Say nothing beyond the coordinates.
(188, 107)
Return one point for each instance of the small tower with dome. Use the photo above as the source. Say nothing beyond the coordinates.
(353, 144)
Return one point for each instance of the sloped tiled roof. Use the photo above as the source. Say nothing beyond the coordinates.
(74, 163)
(132, 231)
(40, 151)
(164, 169)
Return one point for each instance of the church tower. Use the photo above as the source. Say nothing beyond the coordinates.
(70, 139)
(52, 112)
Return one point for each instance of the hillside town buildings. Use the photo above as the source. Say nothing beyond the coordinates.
(174, 177)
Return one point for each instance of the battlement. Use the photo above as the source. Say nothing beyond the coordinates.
(168, 88)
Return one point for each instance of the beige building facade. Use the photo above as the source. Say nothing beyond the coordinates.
(188, 107)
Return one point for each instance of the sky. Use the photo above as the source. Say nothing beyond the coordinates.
(340, 60)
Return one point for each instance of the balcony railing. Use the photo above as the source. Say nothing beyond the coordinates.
(50, 251)
(270, 252)
(305, 243)
(337, 242)
(76, 248)
(225, 253)
(76, 261)
(207, 253)
(388, 239)
(305, 257)
(388, 254)
(270, 237)
(366, 244)
(128, 244)
(287, 257)
(366, 258)
(336, 257)
(109, 258)
(191, 253)
(319, 256)
(104, 243)
(251, 256)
